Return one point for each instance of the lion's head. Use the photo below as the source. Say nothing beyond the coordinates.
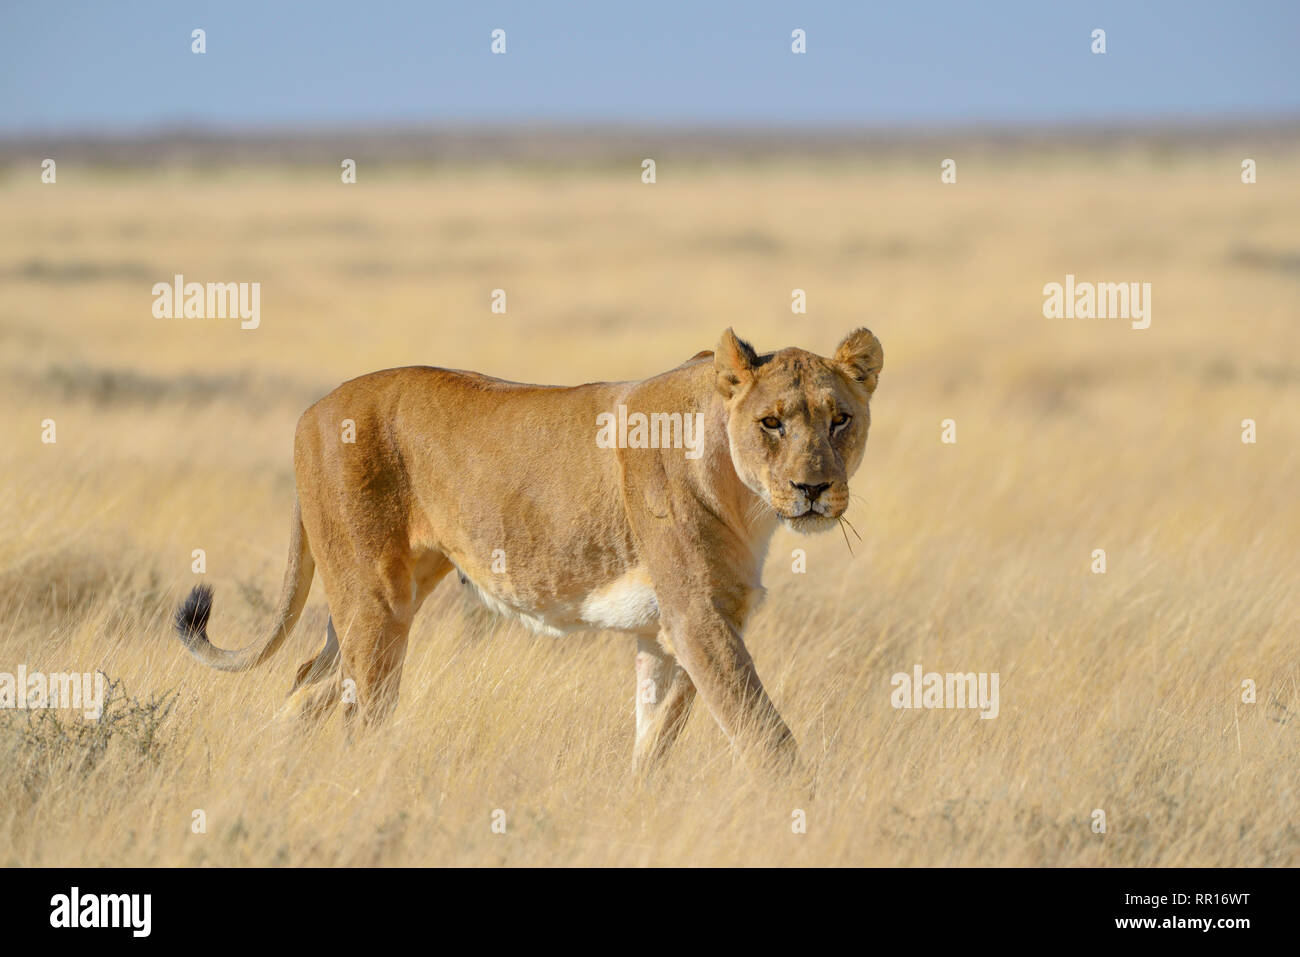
(797, 423)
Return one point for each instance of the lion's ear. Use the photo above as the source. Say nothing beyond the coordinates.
(733, 361)
(861, 357)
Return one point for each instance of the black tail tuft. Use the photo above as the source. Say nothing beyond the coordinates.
(192, 617)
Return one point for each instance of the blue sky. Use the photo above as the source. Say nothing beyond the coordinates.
(122, 65)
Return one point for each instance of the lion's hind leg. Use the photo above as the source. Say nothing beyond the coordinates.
(317, 687)
(376, 621)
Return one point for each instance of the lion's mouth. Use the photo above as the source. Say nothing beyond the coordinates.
(808, 521)
(810, 512)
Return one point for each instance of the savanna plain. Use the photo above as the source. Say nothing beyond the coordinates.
(1125, 692)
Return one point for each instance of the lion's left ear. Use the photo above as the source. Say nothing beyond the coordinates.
(861, 357)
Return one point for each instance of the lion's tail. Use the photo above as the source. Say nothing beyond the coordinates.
(192, 617)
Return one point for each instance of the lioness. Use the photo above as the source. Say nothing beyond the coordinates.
(508, 485)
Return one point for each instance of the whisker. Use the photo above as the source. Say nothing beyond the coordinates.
(845, 521)
(846, 536)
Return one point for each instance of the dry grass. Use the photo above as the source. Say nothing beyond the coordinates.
(1119, 691)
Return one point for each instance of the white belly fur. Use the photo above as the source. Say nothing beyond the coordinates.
(627, 603)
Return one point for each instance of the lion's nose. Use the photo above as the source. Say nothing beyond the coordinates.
(812, 491)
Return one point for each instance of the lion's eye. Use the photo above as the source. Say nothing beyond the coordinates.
(771, 423)
(840, 420)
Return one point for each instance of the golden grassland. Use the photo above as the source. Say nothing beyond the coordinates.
(1120, 692)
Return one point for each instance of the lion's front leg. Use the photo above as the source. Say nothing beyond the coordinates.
(664, 693)
(715, 658)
